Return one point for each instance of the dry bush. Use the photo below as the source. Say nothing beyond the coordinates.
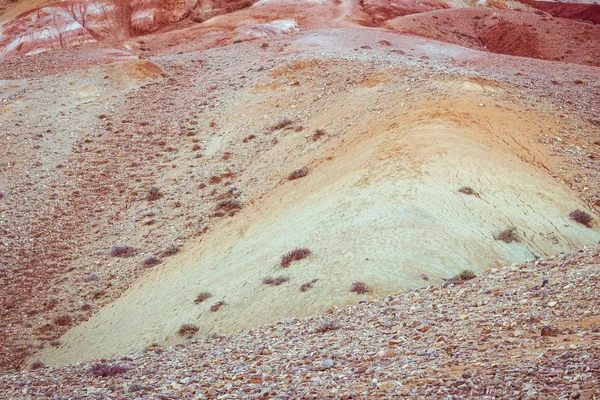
(293, 255)
(152, 261)
(282, 123)
(466, 275)
(508, 235)
(201, 297)
(217, 306)
(249, 138)
(153, 194)
(228, 205)
(308, 285)
(122, 251)
(188, 330)
(92, 276)
(171, 250)
(468, 190)
(299, 173)
(104, 369)
(276, 281)
(360, 288)
(36, 365)
(581, 217)
(318, 134)
(63, 320)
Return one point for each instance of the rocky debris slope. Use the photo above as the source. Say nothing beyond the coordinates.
(524, 331)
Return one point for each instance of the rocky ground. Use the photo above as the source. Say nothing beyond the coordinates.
(526, 331)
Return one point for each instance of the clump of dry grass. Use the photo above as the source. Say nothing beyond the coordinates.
(188, 330)
(63, 320)
(282, 123)
(308, 285)
(105, 370)
(508, 235)
(169, 251)
(217, 306)
(152, 261)
(360, 288)
(581, 217)
(468, 190)
(122, 251)
(318, 134)
(153, 194)
(275, 281)
(201, 297)
(326, 326)
(299, 173)
(294, 255)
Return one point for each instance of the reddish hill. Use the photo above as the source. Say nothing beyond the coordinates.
(576, 11)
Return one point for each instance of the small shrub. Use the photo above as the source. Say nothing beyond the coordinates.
(508, 235)
(228, 205)
(36, 365)
(581, 217)
(360, 288)
(188, 330)
(201, 297)
(468, 190)
(104, 369)
(152, 261)
(122, 251)
(170, 251)
(294, 255)
(466, 275)
(425, 277)
(63, 320)
(318, 134)
(299, 173)
(153, 194)
(326, 327)
(249, 138)
(276, 281)
(282, 123)
(217, 306)
(308, 285)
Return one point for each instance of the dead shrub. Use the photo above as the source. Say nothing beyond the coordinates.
(326, 326)
(188, 330)
(360, 288)
(282, 123)
(152, 261)
(37, 364)
(294, 255)
(217, 306)
(63, 320)
(299, 173)
(122, 251)
(468, 190)
(153, 194)
(466, 275)
(228, 205)
(581, 217)
(170, 251)
(275, 281)
(318, 134)
(308, 285)
(105, 370)
(201, 297)
(508, 235)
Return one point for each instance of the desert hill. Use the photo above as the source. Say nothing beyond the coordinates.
(145, 178)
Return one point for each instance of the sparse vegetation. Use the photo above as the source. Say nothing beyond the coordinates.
(294, 255)
(123, 251)
(308, 285)
(201, 297)
(276, 281)
(104, 370)
(188, 330)
(466, 275)
(318, 134)
(152, 261)
(360, 288)
(425, 277)
(63, 320)
(217, 306)
(581, 217)
(299, 173)
(228, 205)
(508, 235)
(468, 190)
(153, 194)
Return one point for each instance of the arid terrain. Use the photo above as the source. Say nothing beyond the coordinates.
(158, 161)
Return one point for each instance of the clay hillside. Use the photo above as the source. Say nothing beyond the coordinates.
(299, 199)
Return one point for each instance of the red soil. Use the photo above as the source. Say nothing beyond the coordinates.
(508, 32)
(579, 12)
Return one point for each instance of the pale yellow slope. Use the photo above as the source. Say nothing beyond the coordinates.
(380, 205)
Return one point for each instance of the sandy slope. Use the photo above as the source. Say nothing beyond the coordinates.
(380, 205)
